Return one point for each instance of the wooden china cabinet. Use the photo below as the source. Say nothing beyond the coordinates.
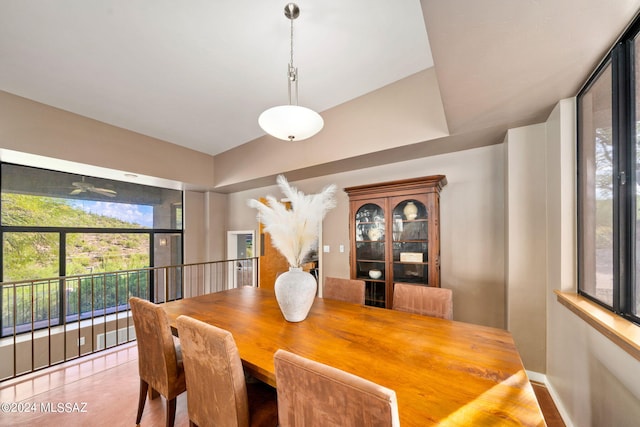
(395, 235)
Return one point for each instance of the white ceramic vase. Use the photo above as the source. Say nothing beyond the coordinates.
(295, 292)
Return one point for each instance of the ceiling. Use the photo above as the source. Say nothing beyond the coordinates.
(198, 73)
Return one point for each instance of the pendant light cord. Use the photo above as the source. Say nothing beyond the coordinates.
(293, 72)
(291, 44)
(291, 122)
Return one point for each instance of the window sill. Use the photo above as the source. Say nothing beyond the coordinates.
(622, 332)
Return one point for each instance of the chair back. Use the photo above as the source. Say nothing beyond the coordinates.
(348, 290)
(425, 300)
(216, 388)
(311, 394)
(158, 360)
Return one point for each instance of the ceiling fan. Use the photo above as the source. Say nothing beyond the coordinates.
(83, 187)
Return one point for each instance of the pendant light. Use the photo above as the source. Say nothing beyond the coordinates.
(291, 122)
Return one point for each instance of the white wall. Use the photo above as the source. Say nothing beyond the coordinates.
(593, 381)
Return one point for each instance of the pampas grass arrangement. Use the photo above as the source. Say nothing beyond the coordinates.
(294, 232)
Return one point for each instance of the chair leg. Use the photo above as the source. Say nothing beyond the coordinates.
(153, 393)
(144, 386)
(171, 412)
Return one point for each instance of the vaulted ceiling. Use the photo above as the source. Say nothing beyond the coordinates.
(198, 73)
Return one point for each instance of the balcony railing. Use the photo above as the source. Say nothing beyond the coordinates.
(44, 322)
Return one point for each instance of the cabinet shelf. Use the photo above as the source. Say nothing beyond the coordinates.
(410, 263)
(410, 282)
(394, 220)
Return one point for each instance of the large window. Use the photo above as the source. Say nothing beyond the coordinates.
(609, 181)
(59, 224)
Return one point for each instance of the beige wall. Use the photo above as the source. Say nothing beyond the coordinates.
(217, 217)
(406, 112)
(472, 224)
(205, 226)
(195, 227)
(62, 345)
(35, 134)
(594, 382)
(526, 242)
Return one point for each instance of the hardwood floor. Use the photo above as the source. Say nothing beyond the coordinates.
(102, 390)
(551, 414)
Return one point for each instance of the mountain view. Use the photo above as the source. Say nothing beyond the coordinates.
(36, 254)
(30, 255)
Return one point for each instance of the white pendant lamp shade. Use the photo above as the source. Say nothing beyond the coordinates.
(290, 122)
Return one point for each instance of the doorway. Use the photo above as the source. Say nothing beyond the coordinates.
(240, 246)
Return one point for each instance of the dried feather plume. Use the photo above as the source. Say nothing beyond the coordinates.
(294, 232)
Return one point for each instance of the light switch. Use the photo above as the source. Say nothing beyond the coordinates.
(341, 248)
(326, 249)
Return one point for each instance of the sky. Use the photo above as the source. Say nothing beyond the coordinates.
(134, 214)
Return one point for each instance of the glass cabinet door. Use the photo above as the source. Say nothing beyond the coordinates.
(370, 252)
(410, 243)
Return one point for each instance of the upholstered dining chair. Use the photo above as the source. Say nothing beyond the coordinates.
(348, 290)
(312, 394)
(425, 300)
(217, 392)
(159, 359)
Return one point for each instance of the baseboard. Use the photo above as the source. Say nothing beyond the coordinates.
(537, 377)
(542, 378)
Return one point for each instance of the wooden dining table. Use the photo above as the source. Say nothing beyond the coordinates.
(443, 372)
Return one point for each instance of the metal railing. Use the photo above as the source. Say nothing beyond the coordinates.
(44, 322)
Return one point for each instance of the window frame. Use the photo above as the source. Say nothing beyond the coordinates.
(176, 228)
(624, 170)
